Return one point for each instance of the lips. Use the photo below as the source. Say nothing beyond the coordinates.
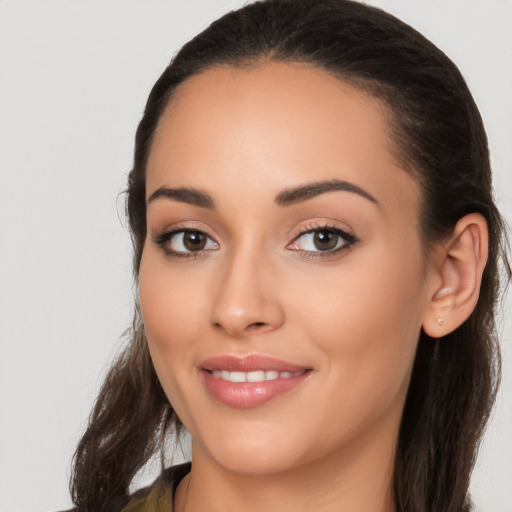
(250, 381)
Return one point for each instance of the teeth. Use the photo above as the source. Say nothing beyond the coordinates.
(237, 377)
(256, 376)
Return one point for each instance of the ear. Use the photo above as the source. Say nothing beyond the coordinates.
(459, 264)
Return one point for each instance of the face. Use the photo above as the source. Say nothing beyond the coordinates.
(283, 279)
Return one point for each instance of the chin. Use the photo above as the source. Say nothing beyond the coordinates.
(262, 453)
(255, 462)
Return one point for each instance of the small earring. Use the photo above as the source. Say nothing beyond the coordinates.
(440, 322)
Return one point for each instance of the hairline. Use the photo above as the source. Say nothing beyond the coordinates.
(372, 88)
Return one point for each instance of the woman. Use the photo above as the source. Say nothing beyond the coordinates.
(316, 247)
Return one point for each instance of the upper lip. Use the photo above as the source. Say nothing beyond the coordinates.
(249, 364)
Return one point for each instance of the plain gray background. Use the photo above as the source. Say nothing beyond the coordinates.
(74, 76)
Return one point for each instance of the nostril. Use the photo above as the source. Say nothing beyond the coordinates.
(257, 324)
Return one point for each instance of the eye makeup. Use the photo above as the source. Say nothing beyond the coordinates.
(318, 240)
(327, 239)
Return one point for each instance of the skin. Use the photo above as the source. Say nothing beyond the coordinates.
(353, 316)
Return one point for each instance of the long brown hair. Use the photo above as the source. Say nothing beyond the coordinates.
(440, 139)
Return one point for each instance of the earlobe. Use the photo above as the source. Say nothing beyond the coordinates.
(459, 269)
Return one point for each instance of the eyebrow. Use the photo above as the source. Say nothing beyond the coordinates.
(308, 191)
(184, 195)
(286, 197)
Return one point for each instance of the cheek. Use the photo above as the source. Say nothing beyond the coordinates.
(169, 308)
(366, 322)
(374, 293)
(168, 296)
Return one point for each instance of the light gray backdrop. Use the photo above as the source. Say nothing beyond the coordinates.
(74, 77)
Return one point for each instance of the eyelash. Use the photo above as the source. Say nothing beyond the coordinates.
(163, 238)
(349, 240)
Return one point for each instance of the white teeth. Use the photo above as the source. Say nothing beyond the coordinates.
(256, 376)
(237, 376)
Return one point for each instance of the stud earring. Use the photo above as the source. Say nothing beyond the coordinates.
(440, 322)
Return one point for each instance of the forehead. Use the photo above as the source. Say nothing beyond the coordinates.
(278, 124)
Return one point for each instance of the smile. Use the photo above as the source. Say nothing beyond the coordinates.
(245, 382)
(256, 376)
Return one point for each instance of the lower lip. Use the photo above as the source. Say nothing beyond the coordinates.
(244, 395)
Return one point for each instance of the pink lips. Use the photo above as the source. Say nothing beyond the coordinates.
(273, 378)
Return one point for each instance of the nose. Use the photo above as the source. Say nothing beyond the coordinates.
(247, 298)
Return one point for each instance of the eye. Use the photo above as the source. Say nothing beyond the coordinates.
(326, 239)
(185, 242)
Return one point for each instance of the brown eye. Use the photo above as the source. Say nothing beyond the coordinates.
(325, 240)
(194, 240)
(184, 242)
(322, 241)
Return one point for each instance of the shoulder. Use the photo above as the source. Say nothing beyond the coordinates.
(155, 497)
(159, 495)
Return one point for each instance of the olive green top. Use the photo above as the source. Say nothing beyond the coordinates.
(158, 497)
